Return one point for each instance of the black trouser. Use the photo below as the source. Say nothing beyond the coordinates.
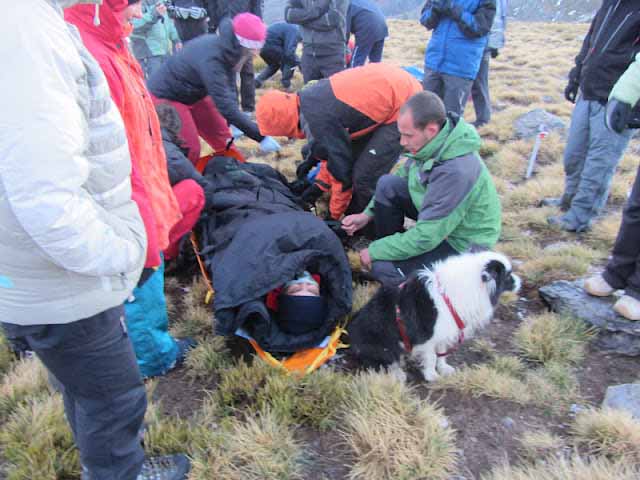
(104, 397)
(274, 63)
(393, 204)
(316, 66)
(375, 154)
(247, 87)
(623, 270)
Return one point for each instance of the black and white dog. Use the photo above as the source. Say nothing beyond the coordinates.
(433, 311)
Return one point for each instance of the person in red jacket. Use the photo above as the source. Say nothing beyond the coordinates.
(350, 121)
(146, 313)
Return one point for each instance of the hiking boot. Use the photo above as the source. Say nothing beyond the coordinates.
(561, 222)
(598, 286)
(628, 307)
(184, 345)
(558, 202)
(167, 467)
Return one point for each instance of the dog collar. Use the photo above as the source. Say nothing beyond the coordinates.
(403, 331)
(454, 314)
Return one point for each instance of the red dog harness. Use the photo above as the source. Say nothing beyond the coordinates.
(403, 330)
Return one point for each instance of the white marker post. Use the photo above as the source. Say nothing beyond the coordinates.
(542, 132)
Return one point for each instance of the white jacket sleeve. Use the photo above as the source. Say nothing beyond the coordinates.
(43, 167)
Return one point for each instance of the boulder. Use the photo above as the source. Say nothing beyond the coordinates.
(528, 124)
(615, 333)
(624, 397)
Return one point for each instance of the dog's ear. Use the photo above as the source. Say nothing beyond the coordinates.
(494, 270)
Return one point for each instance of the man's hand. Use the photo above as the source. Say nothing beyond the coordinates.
(352, 223)
(571, 91)
(617, 115)
(178, 46)
(365, 259)
(494, 52)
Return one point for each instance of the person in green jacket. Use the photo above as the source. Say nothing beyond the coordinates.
(444, 185)
(154, 36)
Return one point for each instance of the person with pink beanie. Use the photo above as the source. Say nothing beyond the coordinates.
(199, 83)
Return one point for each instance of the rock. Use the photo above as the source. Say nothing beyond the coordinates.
(624, 397)
(508, 422)
(616, 334)
(528, 125)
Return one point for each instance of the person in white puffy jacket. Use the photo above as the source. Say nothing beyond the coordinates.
(72, 242)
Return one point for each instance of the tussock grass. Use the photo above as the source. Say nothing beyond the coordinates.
(573, 469)
(549, 338)
(37, 443)
(540, 444)
(521, 249)
(362, 293)
(164, 434)
(27, 378)
(240, 386)
(195, 318)
(612, 433)
(260, 448)
(6, 356)
(391, 433)
(568, 261)
(207, 358)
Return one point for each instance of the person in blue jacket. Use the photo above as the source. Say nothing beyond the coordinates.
(453, 56)
(279, 53)
(366, 21)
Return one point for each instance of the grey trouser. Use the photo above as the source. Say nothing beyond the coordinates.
(104, 397)
(454, 91)
(480, 92)
(393, 203)
(591, 155)
(623, 270)
(315, 66)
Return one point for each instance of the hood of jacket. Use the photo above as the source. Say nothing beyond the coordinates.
(457, 138)
(111, 29)
(229, 46)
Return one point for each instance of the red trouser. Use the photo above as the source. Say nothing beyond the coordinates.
(200, 119)
(190, 198)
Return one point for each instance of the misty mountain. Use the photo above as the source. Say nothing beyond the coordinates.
(524, 10)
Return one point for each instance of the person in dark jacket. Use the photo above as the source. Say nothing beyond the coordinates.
(323, 25)
(460, 34)
(366, 21)
(480, 89)
(199, 81)
(350, 121)
(231, 8)
(592, 151)
(279, 53)
(190, 18)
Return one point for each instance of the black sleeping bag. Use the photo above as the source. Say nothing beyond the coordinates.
(254, 238)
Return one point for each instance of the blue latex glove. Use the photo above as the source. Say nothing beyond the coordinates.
(235, 131)
(269, 145)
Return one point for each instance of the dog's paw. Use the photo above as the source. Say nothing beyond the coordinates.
(430, 375)
(445, 370)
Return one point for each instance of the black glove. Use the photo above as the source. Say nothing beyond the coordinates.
(617, 115)
(145, 275)
(305, 167)
(454, 11)
(311, 194)
(571, 91)
(494, 52)
(299, 186)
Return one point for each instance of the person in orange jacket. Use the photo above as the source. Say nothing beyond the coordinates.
(104, 30)
(350, 122)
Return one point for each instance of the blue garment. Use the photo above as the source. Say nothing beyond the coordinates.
(148, 326)
(367, 22)
(456, 47)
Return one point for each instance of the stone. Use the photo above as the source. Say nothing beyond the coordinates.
(528, 124)
(508, 422)
(624, 397)
(615, 333)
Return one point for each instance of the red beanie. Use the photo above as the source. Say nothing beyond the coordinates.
(250, 30)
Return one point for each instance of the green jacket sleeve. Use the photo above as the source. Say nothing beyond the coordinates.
(627, 88)
(402, 172)
(425, 236)
(143, 24)
(173, 33)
